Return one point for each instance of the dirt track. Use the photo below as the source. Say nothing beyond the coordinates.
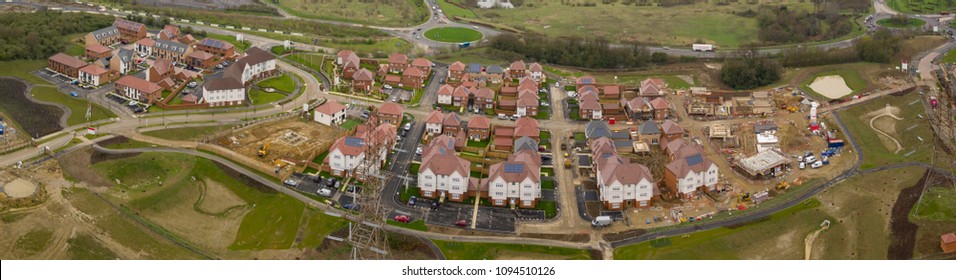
(903, 232)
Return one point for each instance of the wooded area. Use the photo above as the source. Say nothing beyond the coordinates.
(586, 53)
(750, 70)
(40, 35)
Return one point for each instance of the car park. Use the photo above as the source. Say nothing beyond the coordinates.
(330, 182)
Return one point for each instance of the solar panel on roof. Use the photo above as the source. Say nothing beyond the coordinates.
(354, 142)
(514, 168)
(695, 159)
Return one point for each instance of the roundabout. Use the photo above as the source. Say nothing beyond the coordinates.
(453, 34)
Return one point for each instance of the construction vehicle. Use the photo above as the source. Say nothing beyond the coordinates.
(567, 163)
(783, 185)
(742, 197)
(264, 150)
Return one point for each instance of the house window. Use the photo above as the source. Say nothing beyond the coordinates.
(500, 185)
(456, 180)
(499, 193)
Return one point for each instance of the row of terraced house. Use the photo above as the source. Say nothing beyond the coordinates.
(399, 71)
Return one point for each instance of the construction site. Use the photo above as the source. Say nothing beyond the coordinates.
(283, 143)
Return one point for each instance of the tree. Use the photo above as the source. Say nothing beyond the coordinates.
(749, 70)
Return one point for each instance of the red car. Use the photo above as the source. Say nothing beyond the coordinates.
(461, 223)
(402, 219)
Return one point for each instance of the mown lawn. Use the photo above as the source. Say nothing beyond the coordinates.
(260, 97)
(21, 69)
(908, 131)
(281, 83)
(453, 34)
(451, 10)
(78, 107)
(919, 6)
(950, 57)
(938, 203)
(317, 226)
(493, 251)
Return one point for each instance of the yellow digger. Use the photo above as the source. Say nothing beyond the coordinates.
(783, 185)
(264, 150)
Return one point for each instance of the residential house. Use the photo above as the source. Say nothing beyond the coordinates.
(488, 4)
(596, 129)
(107, 36)
(230, 89)
(174, 51)
(485, 98)
(451, 124)
(413, 77)
(169, 32)
(516, 181)
(330, 113)
(527, 104)
(397, 63)
(161, 69)
(474, 70)
(639, 108)
(536, 72)
(347, 156)
(221, 49)
(494, 74)
(652, 87)
(459, 96)
(661, 108)
(423, 64)
(188, 39)
(671, 130)
(527, 127)
(390, 113)
(479, 128)
(612, 92)
(689, 172)
(66, 65)
(433, 123)
(144, 47)
(93, 75)
(200, 59)
(97, 51)
(620, 182)
(363, 80)
(445, 93)
(130, 31)
(138, 89)
(455, 71)
(123, 62)
(590, 109)
(442, 173)
(348, 62)
(517, 70)
(648, 132)
(584, 81)
(670, 148)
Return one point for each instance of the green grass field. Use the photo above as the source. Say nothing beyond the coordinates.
(920, 6)
(317, 227)
(451, 11)
(616, 21)
(21, 69)
(34, 241)
(418, 225)
(186, 133)
(260, 97)
(145, 172)
(453, 34)
(877, 152)
(937, 204)
(77, 106)
(387, 13)
(910, 23)
(950, 57)
(850, 76)
(281, 83)
(495, 251)
(730, 243)
(85, 247)
(241, 46)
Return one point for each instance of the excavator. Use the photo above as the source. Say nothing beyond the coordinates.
(264, 150)
(783, 185)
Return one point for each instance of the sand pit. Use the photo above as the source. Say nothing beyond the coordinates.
(832, 86)
(19, 188)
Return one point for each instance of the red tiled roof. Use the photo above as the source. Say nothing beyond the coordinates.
(68, 60)
(146, 42)
(461, 91)
(421, 62)
(138, 84)
(670, 127)
(479, 122)
(397, 58)
(457, 66)
(126, 24)
(349, 145)
(162, 65)
(435, 117)
(363, 75)
(446, 89)
(612, 90)
(590, 105)
(526, 126)
(330, 108)
(660, 103)
(393, 79)
(452, 119)
(681, 165)
(527, 99)
(93, 69)
(200, 55)
(486, 93)
(948, 238)
(517, 65)
(97, 48)
(535, 67)
(391, 108)
(414, 72)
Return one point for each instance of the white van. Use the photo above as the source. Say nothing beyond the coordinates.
(816, 164)
(325, 192)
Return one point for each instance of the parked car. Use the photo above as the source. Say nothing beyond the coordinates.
(461, 223)
(290, 182)
(387, 86)
(73, 94)
(330, 183)
(418, 151)
(408, 126)
(816, 164)
(354, 189)
(411, 200)
(347, 206)
(434, 205)
(803, 165)
(402, 219)
(324, 192)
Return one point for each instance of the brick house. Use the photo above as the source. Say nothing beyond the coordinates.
(670, 130)
(536, 72)
(423, 64)
(169, 32)
(144, 46)
(517, 70)
(494, 74)
(451, 124)
(620, 182)
(348, 62)
(479, 128)
(107, 36)
(455, 71)
(174, 51)
(433, 123)
(445, 93)
(639, 108)
(527, 104)
(130, 31)
(65, 64)
(661, 108)
(93, 75)
(363, 80)
(485, 98)
(200, 59)
(161, 69)
(442, 173)
(138, 89)
(390, 113)
(397, 63)
(97, 51)
(516, 181)
(123, 62)
(612, 92)
(413, 77)
(215, 47)
(459, 97)
(584, 81)
(690, 171)
(648, 132)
